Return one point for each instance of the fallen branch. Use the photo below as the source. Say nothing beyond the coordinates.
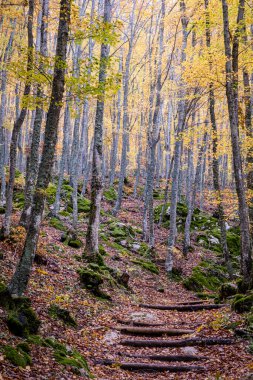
(177, 343)
(187, 307)
(153, 331)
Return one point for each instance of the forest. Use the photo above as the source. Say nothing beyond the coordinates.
(126, 189)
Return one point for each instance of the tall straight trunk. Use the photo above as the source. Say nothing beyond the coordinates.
(18, 125)
(215, 161)
(166, 192)
(33, 158)
(115, 141)
(138, 158)
(66, 127)
(125, 137)
(232, 102)
(192, 200)
(178, 149)
(19, 281)
(91, 249)
(85, 137)
(6, 58)
(249, 132)
(153, 138)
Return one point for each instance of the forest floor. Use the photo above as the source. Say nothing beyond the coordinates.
(95, 336)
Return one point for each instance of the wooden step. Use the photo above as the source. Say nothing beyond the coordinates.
(167, 358)
(154, 367)
(139, 323)
(184, 307)
(177, 343)
(153, 331)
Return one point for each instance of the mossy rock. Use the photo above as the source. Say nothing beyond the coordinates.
(23, 321)
(90, 279)
(206, 276)
(148, 265)
(24, 346)
(227, 289)
(17, 356)
(73, 359)
(75, 243)
(110, 195)
(242, 303)
(57, 224)
(62, 314)
(121, 231)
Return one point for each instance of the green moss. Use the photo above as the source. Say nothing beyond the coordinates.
(35, 339)
(75, 243)
(90, 279)
(24, 346)
(146, 265)
(102, 250)
(110, 194)
(83, 205)
(62, 314)
(121, 231)
(158, 194)
(23, 321)
(64, 213)
(51, 193)
(206, 276)
(227, 289)
(18, 199)
(73, 359)
(56, 223)
(17, 357)
(242, 303)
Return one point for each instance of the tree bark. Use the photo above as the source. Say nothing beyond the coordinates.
(19, 281)
(33, 158)
(18, 125)
(91, 249)
(232, 102)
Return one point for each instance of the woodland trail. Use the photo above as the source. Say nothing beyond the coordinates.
(99, 334)
(208, 352)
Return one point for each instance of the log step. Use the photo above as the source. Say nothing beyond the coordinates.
(183, 307)
(168, 358)
(177, 343)
(154, 367)
(153, 331)
(140, 324)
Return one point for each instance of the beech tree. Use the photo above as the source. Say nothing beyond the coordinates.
(21, 276)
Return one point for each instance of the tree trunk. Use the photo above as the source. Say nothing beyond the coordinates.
(215, 162)
(18, 125)
(66, 127)
(19, 281)
(232, 101)
(191, 205)
(6, 59)
(91, 249)
(178, 149)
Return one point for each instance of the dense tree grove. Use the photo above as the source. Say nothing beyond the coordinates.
(149, 100)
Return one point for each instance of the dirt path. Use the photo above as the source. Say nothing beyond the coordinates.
(96, 336)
